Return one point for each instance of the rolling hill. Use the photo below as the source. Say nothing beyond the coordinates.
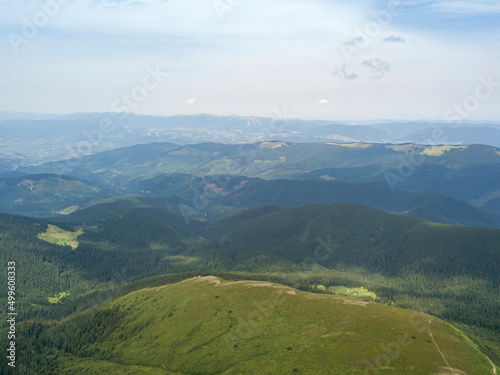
(361, 237)
(43, 269)
(266, 160)
(425, 205)
(476, 184)
(134, 243)
(214, 197)
(107, 208)
(405, 261)
(47, 194)
(207, 325)
(467, 173)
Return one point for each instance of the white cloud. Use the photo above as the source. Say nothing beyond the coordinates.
(394, 39)
(377, 66)
(355, 42)
(190, 101)
(323, 101)
(341, 72)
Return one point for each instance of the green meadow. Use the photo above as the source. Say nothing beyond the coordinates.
(207, 325)
(58, 297)
(60, 237)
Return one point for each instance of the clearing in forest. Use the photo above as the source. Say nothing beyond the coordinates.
(60, 236)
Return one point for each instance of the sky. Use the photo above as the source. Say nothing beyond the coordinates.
(307, 59)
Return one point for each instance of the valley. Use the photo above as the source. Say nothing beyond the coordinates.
(375, 258)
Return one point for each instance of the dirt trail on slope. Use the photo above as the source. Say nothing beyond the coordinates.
(435, 343)
(442, 354)
(494, 367)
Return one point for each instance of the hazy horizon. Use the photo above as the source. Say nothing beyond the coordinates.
(327, 60)
(333, 120)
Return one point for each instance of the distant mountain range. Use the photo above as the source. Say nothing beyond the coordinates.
(446, 184)
(33, 138)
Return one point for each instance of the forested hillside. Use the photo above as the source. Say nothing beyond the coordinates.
(447, 271)
(446, 183)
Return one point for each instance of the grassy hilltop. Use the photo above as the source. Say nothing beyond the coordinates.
(208, 325)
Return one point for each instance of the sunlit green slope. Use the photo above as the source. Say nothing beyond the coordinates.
(207, 325)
